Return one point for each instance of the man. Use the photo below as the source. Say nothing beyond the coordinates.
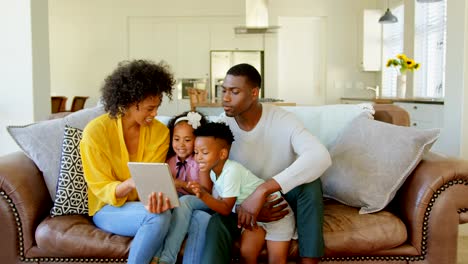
(275, 146)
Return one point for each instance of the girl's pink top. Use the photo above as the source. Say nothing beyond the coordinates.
(188, 172)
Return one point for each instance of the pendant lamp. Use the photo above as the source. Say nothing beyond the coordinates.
(388, 17)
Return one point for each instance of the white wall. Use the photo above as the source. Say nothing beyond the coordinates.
(455, 103)
(88, 38)
(24, 71)
(344, 40)
(464, 148)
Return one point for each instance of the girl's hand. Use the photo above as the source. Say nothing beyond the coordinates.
(157, 203)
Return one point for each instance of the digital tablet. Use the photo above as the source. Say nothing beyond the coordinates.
(153, 177)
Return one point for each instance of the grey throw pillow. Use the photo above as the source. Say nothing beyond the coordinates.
(371, 160)
(72, 192)
(42, 141)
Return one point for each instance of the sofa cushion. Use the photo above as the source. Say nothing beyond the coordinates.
(326, 121)
(346, 232)
(77, 237)
(371, 160)
(72, 192)
(42, 141)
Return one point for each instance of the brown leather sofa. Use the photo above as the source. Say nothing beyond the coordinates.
(420, 225)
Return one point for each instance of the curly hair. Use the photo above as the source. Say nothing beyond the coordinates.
(218, 130)
(132, 82)
(171, 125)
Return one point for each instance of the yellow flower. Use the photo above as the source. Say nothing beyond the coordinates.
(403, 63)
(389, 63)
(409, 63)
(401, 56)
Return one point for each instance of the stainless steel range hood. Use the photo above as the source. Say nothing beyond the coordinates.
(256, 18)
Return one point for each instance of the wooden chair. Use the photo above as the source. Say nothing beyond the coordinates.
(58, 103)
(197, 96)
(78, 103)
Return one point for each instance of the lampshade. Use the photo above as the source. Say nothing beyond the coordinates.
(388, 18)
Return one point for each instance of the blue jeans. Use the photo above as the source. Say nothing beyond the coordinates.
(132, 219)
(187, 219)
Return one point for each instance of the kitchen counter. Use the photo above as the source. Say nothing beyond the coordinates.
(390, 100)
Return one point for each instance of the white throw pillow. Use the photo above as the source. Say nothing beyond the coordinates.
(371, 160)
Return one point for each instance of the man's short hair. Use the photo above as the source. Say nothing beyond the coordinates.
(247, 70)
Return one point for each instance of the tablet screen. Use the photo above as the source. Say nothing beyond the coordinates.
(153, 177)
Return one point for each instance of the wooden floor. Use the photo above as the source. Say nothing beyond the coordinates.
(462, 250)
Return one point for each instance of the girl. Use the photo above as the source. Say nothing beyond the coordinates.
(180, 155)
(187, 219)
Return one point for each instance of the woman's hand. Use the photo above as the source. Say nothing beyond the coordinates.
(157, 203)
(124, 188)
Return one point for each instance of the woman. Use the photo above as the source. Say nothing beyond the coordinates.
(128, 131)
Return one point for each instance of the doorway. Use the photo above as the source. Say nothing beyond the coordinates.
(302, 60)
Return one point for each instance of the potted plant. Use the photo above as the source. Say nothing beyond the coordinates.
(403, 64)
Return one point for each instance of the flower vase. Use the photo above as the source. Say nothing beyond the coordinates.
(401, 85)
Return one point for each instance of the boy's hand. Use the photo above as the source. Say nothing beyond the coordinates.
(196, 188)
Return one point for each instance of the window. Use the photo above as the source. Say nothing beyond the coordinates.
(429, 48)
(392, 35)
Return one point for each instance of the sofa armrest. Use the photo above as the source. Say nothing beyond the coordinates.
(431, 203)
(24, 203)
(391, 113)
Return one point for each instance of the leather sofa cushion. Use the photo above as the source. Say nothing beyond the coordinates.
(346, 232)
(76, 236)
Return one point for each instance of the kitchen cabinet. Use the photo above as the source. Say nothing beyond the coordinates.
(193, 44)
(223, 37)
(424, 115)
(185, 42)
(371, 40)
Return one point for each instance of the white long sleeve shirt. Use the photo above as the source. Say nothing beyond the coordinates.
(279, 147)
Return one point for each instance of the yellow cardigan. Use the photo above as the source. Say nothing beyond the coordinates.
(104, 156)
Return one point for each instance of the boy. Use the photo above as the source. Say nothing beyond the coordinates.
(232, 183)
